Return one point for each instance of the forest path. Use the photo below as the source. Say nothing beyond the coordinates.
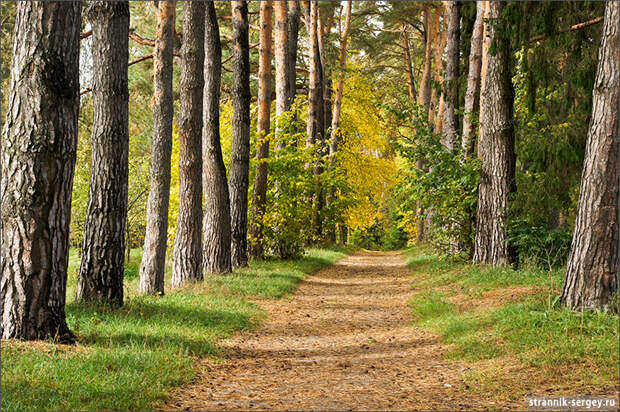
(343, 341)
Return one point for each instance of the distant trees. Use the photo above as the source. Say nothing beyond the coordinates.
(153, 263)
(103, 251)
(591, 279)
(38, 159)
(187, 254)
(240, 153)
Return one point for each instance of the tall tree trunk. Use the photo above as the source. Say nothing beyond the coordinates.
(282, 61)
(424, 99)
(315, 122)
(450, 84)
(344, 37)
(424, 93)
(259, 200)
(497, 145)
(337, 100)
(216, 223)
(38, 159)
(153, 263)
(472, 95)
(240, 152)
(408, 64)
(294, 12)
(484, 64)
(441, 38)
(102, 267)
(591, 278)
(187, 254)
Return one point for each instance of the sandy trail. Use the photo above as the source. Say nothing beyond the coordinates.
(343, 341)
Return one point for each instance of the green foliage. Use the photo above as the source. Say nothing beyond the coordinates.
(539, 245)
(129, 358)
(437, 182)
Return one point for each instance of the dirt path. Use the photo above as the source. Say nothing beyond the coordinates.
(343, 341)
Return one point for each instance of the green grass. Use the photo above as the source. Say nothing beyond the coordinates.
(131, 357)
(484, 313)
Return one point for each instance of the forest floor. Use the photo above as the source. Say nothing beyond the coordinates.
(347, 340)
(344, 341)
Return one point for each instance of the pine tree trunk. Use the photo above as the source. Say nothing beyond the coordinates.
(282, 61)
(450, 84)
(187, 254)
(424, 93)
(153, 263)
(38, 159)
(591, 279)
(408, 65)
(240, 152)
(344, 37)
(259, 200)
(472, 95)
(484, 64)
(102, 267)
(497, 180)
(216, 223)
(292, 40)
(315, 122)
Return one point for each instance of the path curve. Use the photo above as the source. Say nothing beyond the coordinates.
(343, 341)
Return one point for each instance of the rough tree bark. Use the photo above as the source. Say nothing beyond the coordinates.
(282, 62)
(497, 180)
(38, 158)
(259, 199)
(440, 39)
(154, 255)
(591, 278)
(484, 64)
(102, 266)
(187, 253)
(472, 95)
(216, 223)
(240, 151)
(450, 83)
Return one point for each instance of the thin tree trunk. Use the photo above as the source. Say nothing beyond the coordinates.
(497, 180)
(294, 12)
(344, 37)
(216, 223)
(187, 254)
(282, 61)
(450, 84)
(153, 263)
(472, 95)
(441, 37)
(240, 152)
(408, 65)
(486, 44)
(591, 278)
(102, 267)
(259, 200)
(424, 93)
(38, 159)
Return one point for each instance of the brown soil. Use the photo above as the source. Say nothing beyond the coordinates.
(344, 341)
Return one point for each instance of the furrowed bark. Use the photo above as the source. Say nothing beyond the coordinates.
(591, 278)
(154, 255)
(102, 266)
(216, 223)
(472, 95)
(257, 249)
(424, 93)
(293, 15)
(497, 180)
(38, 158)
(187, 254)
(240, 152)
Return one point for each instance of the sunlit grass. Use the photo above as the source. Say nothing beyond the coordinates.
(131, 357)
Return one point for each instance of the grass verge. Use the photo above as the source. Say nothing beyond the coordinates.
(131, 357)
(509, 326)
